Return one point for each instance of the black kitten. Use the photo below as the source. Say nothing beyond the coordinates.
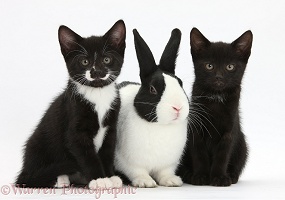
(216, 150)
(75, 140)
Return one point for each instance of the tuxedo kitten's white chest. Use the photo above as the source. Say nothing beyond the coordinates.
(102, 99)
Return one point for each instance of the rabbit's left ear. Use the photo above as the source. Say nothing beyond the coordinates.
(168, 58)
(145, 58)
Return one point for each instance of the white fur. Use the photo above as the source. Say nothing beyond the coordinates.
(106, 183)
(217, 98)
(102, 99)
(145, 150)
(105, 77)
(62, 181)
(88, 76)
(99, 138)
(117, 182)
(102, 183)
(173, 96)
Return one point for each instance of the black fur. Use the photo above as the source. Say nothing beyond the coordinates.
(152, 80)
(216, 150)
(62, 143)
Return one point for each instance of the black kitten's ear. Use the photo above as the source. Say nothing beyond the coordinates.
(198, 41)
(168, 58)
(117, 34)
(145, 57)
(243, 44)
(68, 39)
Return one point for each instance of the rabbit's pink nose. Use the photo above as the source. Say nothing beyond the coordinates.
(176, 108)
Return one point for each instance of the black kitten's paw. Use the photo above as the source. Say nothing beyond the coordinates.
(234, 178)
(200, 179)
(186, 178)
(222, 180)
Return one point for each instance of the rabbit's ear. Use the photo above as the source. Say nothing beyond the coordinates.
(168, 58)
(145, 57)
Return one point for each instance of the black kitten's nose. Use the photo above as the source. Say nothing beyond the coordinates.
(219, 76)
(97, 73)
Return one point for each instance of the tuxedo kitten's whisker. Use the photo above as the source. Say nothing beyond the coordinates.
(82, 53)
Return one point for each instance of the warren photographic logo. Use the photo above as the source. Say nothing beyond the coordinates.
(71, 190)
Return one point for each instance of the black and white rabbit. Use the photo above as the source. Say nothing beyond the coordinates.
(152, 126)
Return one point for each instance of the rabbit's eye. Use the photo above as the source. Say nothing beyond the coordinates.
(152, 90)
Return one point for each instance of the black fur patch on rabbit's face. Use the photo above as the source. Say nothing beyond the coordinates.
(162, 99)
(149, 96)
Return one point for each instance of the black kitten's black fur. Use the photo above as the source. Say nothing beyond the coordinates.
(62, 143)
(216, 150)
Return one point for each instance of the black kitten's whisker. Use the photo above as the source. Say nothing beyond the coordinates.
(198, 119)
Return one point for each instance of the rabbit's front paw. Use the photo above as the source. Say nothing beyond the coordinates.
(144, 182)
(171, 181)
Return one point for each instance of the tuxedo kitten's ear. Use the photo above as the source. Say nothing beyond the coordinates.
(243, 44)
(117, 34)
(168, 58)
(68, 39)
(198, 41)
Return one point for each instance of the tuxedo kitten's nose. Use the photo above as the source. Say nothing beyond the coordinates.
(97, 73)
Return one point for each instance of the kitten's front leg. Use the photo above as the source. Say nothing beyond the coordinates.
(200, 162)
(86, 157)
(219, 176)
(106, 154)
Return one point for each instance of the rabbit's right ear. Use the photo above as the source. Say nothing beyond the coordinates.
(168, 58)
(145, 58)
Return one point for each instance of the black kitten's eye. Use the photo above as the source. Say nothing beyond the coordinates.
(107, 60)
(84, 62)
(152, 89)
(230, 67)
(209, 66)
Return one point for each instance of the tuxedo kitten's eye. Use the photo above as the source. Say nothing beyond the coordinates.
(209, 67)
(230, 67)
(84, 62)
(152, 90)
(107, 60)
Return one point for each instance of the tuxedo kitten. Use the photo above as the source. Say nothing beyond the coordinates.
(216, 150)
(75, 140)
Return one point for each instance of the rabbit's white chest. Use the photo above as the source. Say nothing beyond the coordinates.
(156, 146)
(148, 145)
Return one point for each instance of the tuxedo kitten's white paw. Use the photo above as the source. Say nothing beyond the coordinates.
(62, 181)
(102, 183)
(170, 181)
(117, 181)
(144, 182)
